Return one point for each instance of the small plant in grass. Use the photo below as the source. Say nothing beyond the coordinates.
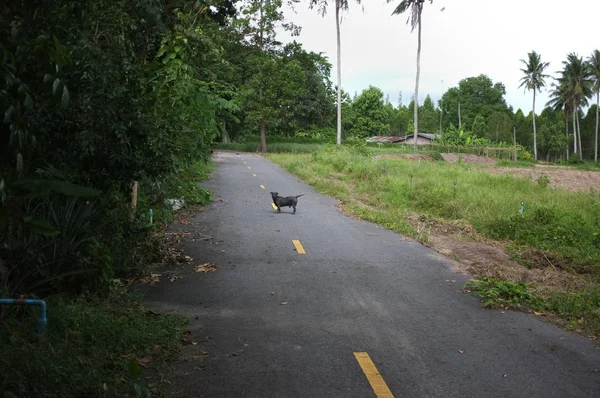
(435, 155)
(543, 181)
(359, 145)
(503, 294)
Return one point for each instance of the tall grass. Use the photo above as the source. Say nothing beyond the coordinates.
(565, 224)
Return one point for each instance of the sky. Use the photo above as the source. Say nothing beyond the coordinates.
(467, 38)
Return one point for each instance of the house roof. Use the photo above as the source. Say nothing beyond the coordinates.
(382, 138)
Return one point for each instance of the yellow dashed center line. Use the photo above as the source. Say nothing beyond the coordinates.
(253, 175)
(262, 186)
(249, 167)
(274, 207)
(377, 383)
(299, 247)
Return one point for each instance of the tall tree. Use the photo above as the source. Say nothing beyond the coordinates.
(371, 116)
(477, 95)
(416, 10)
(429, 119)
(594, 68)
(558, 100)
(259, 24)
(340, 5)
(574, 86)
(534, 81)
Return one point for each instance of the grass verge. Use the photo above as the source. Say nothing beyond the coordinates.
(94, 347)
(579, 311)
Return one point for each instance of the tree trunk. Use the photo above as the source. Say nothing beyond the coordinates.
(574, 130)
(224, 136)
(459, 123)
(567, 130)
(263, 138)
(416, 102)
(579, 138)
(534, 130)
(338, 5)
(596, 141)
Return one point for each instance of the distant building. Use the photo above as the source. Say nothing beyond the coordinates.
(422, 139)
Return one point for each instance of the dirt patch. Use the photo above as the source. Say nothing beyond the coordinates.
(559, 177)
(477, 256)
(468, 158)
(563, 178)
(409, 156)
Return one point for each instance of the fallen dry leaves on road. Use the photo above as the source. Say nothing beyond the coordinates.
(206, 267)
(152, 279)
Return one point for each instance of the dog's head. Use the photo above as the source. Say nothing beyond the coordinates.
(274, 195)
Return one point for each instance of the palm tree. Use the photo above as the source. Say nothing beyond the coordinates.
(558, 101)
(578, 87)
(594, 69)
(416, 9)
(534, 80)
(340, 5)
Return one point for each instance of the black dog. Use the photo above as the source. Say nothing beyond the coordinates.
(289, 201)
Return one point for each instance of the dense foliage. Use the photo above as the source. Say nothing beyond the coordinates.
(97, 95)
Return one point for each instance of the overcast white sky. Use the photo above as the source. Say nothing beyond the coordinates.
(468, 38)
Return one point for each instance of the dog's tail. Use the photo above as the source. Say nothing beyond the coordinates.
(297, 196)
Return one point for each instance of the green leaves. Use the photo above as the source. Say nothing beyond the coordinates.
(34, 185)
(503, 294)
(369, 114)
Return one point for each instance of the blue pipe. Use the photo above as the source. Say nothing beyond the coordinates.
(42, 320)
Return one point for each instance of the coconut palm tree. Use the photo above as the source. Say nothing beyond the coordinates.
(578, 87)
(340, 5)
(414, 18)
(594, 69)
(558, 101)
(534, 80)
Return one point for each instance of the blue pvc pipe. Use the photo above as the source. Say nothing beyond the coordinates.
(42, 320)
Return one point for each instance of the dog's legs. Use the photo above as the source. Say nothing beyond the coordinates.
(294, 212)
(278, 209)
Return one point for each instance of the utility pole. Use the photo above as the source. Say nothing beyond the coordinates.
(441, 108)
(515, 143)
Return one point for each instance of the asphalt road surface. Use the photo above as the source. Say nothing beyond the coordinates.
(348, 310)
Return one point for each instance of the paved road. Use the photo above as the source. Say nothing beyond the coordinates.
(358, 288)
